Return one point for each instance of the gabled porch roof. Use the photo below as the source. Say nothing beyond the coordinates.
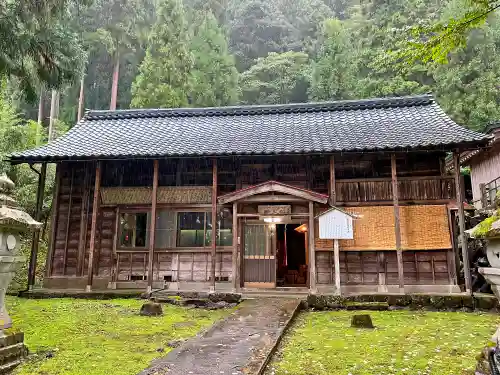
(273, 187)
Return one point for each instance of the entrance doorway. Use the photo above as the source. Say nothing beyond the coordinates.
(292, 267)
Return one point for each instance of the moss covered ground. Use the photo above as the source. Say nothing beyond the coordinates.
(90, 337)
(403, 342)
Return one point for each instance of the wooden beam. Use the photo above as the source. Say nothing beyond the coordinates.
(451, 253)
(256, 216)
(333, 192)
(397, 222)
(93, 226)
(152, 226)
(236, 286)
(214, 224)
(272, 198)
(461, 222)
(82, 236)
(36, 233)
(336, 254)
(273, 186)
(312, 253)
(54, 222)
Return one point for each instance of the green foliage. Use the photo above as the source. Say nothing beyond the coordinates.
(483, 229)
(334, 72)
(214, 78)
(164, 75)
(435, 41)
(276, 79)
(434, 343)
(99, 337)
(38, 45)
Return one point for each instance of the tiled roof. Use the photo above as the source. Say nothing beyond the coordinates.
(372, 124)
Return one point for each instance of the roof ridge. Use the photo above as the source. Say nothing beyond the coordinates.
(341, 105)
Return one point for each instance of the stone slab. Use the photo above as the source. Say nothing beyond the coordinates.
(239, 344)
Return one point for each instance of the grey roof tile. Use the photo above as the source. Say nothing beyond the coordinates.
(373, 124)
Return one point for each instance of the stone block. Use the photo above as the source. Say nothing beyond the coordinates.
(362, 321)
(151, 309)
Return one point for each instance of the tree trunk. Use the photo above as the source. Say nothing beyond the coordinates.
(40, 117)
(81, 99)
(114, 87)
(54, 111)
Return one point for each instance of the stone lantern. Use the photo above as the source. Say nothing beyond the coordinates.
(13, 221)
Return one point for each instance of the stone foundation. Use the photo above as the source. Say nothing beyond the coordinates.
(412, 302)
(12, 352)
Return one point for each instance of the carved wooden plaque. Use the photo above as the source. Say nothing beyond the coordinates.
(271, 210)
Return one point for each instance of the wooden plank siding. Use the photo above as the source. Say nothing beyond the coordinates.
(484, 168)
(364, 267)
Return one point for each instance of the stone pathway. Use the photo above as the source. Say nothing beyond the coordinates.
(240, 344)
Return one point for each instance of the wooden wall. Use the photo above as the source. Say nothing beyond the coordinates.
(73, 208)
(484, 168)
(374, 267)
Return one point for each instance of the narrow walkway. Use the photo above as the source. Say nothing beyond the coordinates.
(240, 344)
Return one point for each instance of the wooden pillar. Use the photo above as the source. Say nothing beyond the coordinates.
(36, 234)
(336, 255)
(82, 237)
(236, 271)
(114, 257)
(152, 227)
(312, 252)
(333, 191)
(461, 222)
(93, 227)
(54, 221)
(484, 197)
(397, 223)
(214, 224)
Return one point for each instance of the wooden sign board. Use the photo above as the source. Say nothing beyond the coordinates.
(335, 224)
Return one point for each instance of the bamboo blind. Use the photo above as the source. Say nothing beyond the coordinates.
(142, 195)
(422, 228)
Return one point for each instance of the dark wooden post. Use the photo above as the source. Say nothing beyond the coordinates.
(93, 226)
(82, 236)
(397, 223)
(214, 224)
(152, 227)
(312, 252)
(36, 234)
(484, 198)
(54, 221)
(461, 221)
(333, 191)
(236, 285)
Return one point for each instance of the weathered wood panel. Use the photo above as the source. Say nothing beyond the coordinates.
(173, 266)
(484, 168)
(364, 267)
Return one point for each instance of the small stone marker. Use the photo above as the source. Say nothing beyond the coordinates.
(362, 321)
(151, 309)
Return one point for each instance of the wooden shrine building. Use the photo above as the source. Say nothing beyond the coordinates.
(226, 199)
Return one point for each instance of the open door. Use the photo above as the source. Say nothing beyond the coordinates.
(259, 257)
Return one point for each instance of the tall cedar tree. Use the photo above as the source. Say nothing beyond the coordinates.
(214, 79)
(334, 72)
(164, 74)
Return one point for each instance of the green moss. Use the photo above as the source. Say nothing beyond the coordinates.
(403, 342)
(99, 337)
(482, 229)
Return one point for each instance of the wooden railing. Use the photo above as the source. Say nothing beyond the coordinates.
(434, 188)
(489, 192)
